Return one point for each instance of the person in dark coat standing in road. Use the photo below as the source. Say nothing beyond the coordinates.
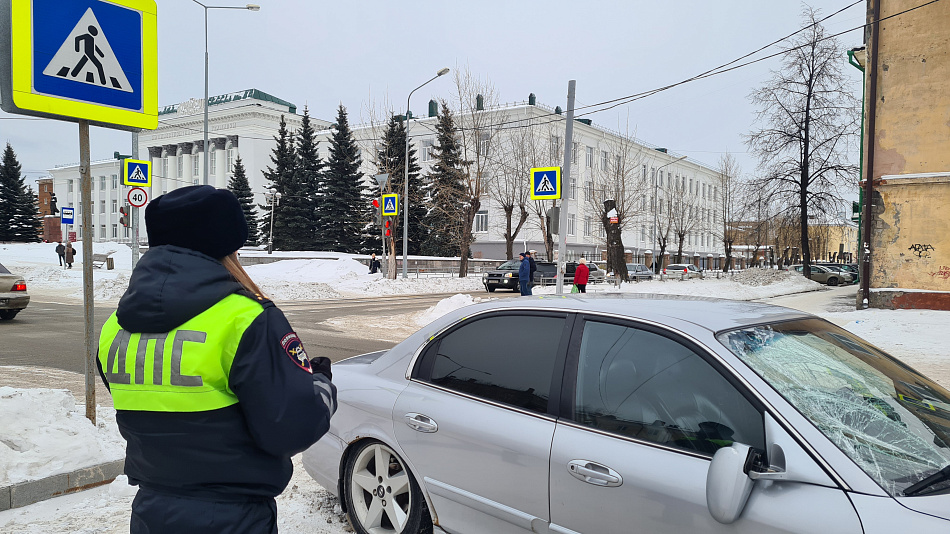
(213, 390)
(61, 252)
(524, 275)
(374, 265)
(581, 275)
(534, 266)
(69, 255)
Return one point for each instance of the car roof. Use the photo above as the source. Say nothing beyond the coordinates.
(708, 313)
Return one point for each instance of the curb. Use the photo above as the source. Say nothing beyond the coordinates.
(34, 491)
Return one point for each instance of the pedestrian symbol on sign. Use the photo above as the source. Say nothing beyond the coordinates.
(86, 57)
(390, 205)
(544, 186)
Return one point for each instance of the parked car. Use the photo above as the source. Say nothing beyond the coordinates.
(505, 276)
(824, 275)
(669, 413)
(675, 269)
(13, 295)
(546, 274)
(639, 271)
(851, 269)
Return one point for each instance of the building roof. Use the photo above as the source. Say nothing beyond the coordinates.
(232, 97)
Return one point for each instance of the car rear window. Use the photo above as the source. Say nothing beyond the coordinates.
(3, 270)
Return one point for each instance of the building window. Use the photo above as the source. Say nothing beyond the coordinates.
(644, 173)
(574, 147)
(69, 186)
(588, 191)
(181, 165)
(194, 167)
(573, 187)
(661, 179)
(571, 222)
(115, 230)
(603, 160)
(617, 166)
(102, 231)
(587, 226)
(230, 156)
(589, 157)
(643, 233)
(115, 181)
(484, 140)
(481, 222)
(103, 208)
(214, 166)
(115, 206)
(195, 181)
(126, 231)
(555, 147)
(164, 166)
(427, 150)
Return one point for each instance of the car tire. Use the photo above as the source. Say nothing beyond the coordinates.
(6, 315)
(490, 289)
(400, 510)
(832, 281)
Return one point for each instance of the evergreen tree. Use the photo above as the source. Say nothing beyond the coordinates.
(444, 192)
(302, 212)
(280, 178)
(343, 200)
(391, 159)
(239, 185)
(19, 214)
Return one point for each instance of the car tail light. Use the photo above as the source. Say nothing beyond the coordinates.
(20, 285)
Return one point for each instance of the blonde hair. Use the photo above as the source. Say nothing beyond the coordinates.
(233, 265)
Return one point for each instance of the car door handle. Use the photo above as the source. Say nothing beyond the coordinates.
(594, 473)
(422, 423)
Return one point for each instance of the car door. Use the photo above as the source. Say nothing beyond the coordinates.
(644, 411)
(476, 420)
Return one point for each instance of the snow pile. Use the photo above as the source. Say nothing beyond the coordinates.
(46, 433)
(762, 277)
(443, 307)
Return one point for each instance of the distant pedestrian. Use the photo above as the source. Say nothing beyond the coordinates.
(534, 266)
(61, 252)
(581, 275)
(374, 265)
(524, 275)
(69, 255)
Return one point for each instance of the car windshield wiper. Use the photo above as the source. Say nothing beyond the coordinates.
(918, 488)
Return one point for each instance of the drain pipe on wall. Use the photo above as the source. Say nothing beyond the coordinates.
(873, 59)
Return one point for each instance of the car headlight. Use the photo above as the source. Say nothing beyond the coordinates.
(507, 275)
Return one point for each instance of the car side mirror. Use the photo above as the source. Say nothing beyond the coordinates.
(728, 484)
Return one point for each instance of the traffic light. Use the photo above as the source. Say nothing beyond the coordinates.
(124, 219)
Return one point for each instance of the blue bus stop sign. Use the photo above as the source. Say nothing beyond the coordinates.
(66, 215)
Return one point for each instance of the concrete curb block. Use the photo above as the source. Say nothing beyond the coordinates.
(33, 491)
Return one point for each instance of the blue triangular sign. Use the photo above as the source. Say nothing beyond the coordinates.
(389, 205)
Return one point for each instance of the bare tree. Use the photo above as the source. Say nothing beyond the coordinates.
(477, 134)
(729, 200)
(807, 115)
(683, 212)
(520, 149)
(617, 190)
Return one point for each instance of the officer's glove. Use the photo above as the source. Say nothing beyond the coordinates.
(321, 364)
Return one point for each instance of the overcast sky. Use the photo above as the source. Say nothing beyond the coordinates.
(321, 54)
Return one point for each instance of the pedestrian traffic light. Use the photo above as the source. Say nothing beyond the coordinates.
(124, 218)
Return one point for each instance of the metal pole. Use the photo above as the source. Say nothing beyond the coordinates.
(134, 212)
(565, 182)
(405, 199)
(656, 221)
(270, 240)
(869, 168)
(87, 295)
(205, 149)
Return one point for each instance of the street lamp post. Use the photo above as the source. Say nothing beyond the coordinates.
(405, 196)
(274, 199)
(249, 7)
(656, 208)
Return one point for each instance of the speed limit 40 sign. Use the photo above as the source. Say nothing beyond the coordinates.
(137, 197)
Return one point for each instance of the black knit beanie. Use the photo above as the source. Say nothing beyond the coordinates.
(197, 217)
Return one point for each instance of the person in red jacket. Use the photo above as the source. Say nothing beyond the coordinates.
(581, 275)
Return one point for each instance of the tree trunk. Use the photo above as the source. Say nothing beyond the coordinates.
(509, 237)
(616, 261)
(680, 238)
(391, 264)
(467, 236)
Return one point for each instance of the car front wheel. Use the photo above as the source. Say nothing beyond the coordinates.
(832, 281)
(490, 289)
(381, 494)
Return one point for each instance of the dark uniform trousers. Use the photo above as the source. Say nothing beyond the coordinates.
(158, 513)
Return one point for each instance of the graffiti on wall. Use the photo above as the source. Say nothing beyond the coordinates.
(943, 272)
(921, 250)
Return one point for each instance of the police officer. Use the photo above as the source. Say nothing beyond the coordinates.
(213, 389)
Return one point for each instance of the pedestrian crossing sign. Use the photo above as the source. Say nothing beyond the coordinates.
(390, 205)
(94, 60)
(545, 183)
(136, 173)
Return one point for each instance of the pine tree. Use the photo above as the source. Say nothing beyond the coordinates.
(304, 206)
(343, 199)
(444, 191)
(241, 188)
(19, 214)
(280, 178)
(391, 159)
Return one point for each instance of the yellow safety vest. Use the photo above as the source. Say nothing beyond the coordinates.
(184, 370)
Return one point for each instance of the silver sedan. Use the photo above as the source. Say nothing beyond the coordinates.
(619, 415)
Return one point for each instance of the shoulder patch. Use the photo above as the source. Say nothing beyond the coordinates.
(294, 350)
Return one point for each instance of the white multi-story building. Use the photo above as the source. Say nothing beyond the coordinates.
(242, 123)
(512, 138)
